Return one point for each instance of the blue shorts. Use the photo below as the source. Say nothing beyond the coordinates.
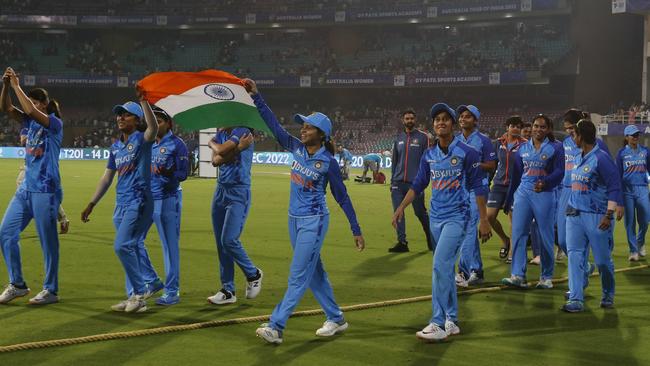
(497, 197)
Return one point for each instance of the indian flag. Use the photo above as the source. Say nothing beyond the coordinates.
(200, 100)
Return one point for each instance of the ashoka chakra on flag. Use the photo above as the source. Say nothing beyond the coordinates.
(199, 100)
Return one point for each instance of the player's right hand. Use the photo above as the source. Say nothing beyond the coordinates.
(87, 212)
(250, 86)
(398, 216)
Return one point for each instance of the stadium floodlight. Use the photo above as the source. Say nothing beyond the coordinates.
(447, 27)
(462, 19)
(508, 15)
(275, 25)
(414, 21)
(230, 26)
(183, 26)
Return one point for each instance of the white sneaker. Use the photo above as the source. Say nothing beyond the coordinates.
(135, 304)
(11, 292)
(544, 284)
(254, 287)
(432, 333)
(43, 298)
(120, 306)
(460, 280)
(330, 328)
(642, 252)
(634, 257)
(451, 328)
(474, 279)
(269, 334)
(222, 297)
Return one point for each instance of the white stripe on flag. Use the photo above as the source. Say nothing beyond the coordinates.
(196, 97)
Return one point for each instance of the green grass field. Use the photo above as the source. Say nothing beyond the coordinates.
(503, 327)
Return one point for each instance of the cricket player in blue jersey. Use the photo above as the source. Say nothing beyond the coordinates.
(40, 193)
(233, 153)
(470, 265)
(62, 218)
(344, 158)
(595, 195)
(169, 167)
(571, 150)
(633, 161)
(130, 157)
(453, 170)
(313, 168)
(538, 169)
(371, 161)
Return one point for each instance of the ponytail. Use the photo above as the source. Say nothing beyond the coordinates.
(330, 146)
(42, 96)
(54, 107)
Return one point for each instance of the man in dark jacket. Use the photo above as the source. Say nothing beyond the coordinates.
(408, 148)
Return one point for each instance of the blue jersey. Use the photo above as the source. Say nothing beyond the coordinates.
(452, 176)
(238, 171)
(571, 150)
(373, 157)
(42, 156)
(633, 165)
(310, 174)
(545, 164)
(483, 145)
(132, 160)
(594, 181)
(169, 166)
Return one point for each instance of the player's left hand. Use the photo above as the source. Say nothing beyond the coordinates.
(360, 242)
(484, 230)
(245, 141)
(619, 212)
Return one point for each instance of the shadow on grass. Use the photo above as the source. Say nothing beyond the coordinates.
(394, 263)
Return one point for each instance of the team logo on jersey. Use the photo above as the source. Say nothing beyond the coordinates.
(163, 150)
(129, 147)
(415, 141)
(219, 92)
(318, 165)
(454, 161)
(585, 169)
(544, 156)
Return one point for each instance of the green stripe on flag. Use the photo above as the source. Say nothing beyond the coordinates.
(222, 114)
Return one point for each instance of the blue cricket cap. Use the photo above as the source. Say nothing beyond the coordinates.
(631, 130)
(131, 107)
(443, 107)
(471, 109)
(318, 120)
